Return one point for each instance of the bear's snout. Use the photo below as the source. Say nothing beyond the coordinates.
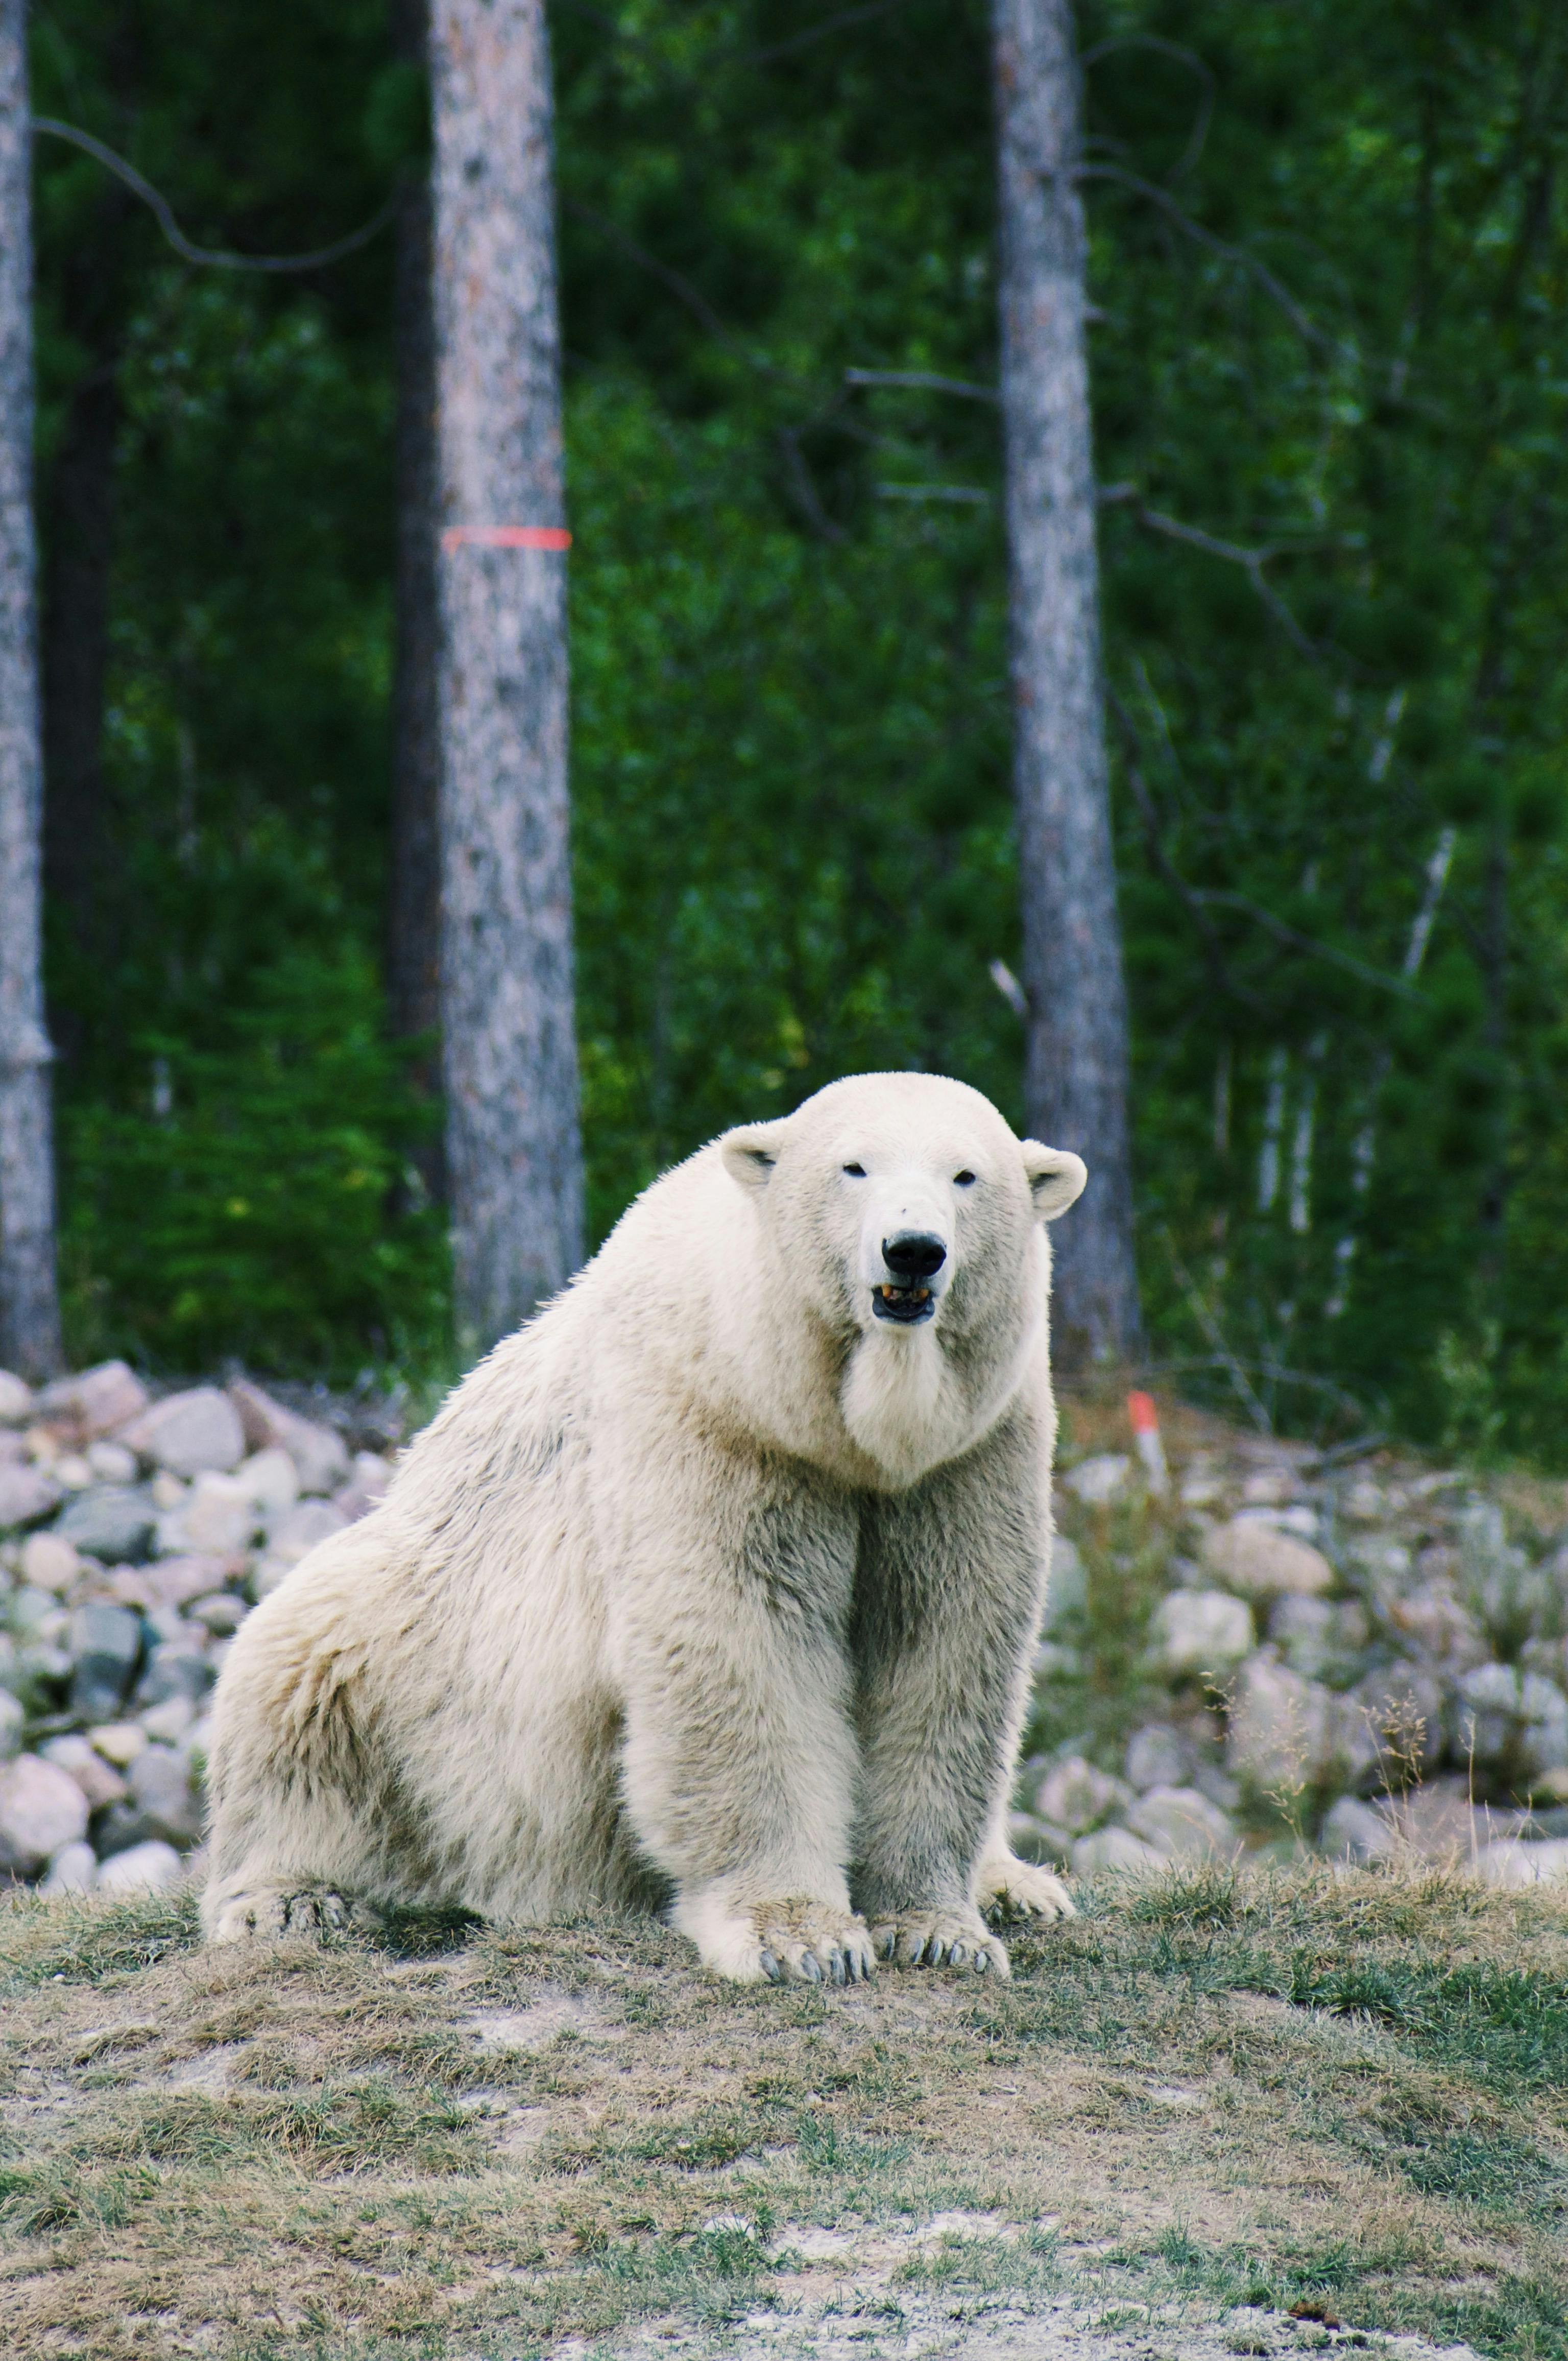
(914, 1254)
(911, 1258)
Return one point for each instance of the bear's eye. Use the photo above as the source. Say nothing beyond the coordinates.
(856, 1171)
(963, 1180)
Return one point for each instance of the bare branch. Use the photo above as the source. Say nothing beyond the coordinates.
(926, 381)
(969, 494)
(1153, 840)
(1304, 325)
(211, 257)
(1183, 56)
(803, 484)
(1251, 561)
(1295, 940)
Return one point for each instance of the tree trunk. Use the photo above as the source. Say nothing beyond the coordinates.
(414, 901)
(509, 1060)
(30, 1309)
(1076, 1082)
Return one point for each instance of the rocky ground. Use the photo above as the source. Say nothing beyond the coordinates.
(1251, 1647)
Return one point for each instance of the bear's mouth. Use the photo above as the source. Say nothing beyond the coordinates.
(907, 1305)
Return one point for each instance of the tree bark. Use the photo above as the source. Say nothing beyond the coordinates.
(509, 1060)
(1076, 1082)
(414, 901)
(29, 1309)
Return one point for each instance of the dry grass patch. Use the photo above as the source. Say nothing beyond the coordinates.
(1341, 2092)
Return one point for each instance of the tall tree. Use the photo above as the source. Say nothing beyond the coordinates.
(413, 914)
(1076, 1084)
(30, 1310)
(510, 1059)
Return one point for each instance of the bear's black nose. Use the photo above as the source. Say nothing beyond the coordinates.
(914, 1254)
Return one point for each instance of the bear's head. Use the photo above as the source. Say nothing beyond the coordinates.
(902, 1214)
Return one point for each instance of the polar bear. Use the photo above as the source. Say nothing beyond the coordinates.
(712, 1591)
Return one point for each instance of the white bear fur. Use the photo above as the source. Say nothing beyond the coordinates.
(708, 1591)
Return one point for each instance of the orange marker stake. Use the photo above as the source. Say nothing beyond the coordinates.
(505, 536)
(1147, 1434)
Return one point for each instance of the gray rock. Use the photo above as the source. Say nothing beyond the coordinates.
(189, 1433)
(1159, 1756)
(178, 1667)
(13, 1720)
(112, 1463)
(144, 1868)
(272, 1481)
(293, 1537)
(1402, 1708)
(1219, 1786)
(1183, 1825)
(73, 1870)
(99, 1780)
(16, 1398)
(48, 1562)
(160, 1787)
(1200, 1631)
(1251, 1555)
(26, 1494)
(41, 1809)
(111, 1523)
(175, 1581)
(221, 1613)
(1303, 1629)
(1514, 1717)
(1282, 1730)
(1436, 1620)
(1354, 1831)
(319, 1453)
(218, 1517)
(1069, 1584)
(1115, 1849)
(1513, 1863)
(1075, 1794)
(92, 1404)
(106, 1649)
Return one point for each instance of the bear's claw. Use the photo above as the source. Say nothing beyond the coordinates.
(942, 1939)
(1019, 1890)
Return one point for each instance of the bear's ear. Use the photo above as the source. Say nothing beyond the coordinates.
(749, 1155)
(1055, 1177)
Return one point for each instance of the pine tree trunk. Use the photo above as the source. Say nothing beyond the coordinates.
(29, 1311)
(413, 905)
(509, 1060)
(1076, 1082)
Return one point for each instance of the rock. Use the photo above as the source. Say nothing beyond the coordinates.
(41, 1809)
(319, 1454)
(1158, 1756)
(1439, 1625)
(1511, 1716)
(1365, 1502)
(1218, 1785)
(1253, 1556)
(1282, 1728)
(272, 1481)
(92, 1404)
(1095, 1481)
(73, 1870)
(13, 1721)
(112, 1463)
(16, 1398)
(119, 1742)
(48, 1561)
(1200, 1631)
(222, 1613)
(367, 1488)
(175, 1581)
(1075, 1794)
(26, 1494)
(98, 1782)
(1032, 1840)
(140, 1868)
(218, 1517)
(189, 1433)
(161, 1788)
(71, 1472)
(1115, 1849)
(1354, 1831)
(1183, 1825)
(1303, 1630)
(175, 1668)
(1515, 1862)
(168, 1491)
(106, 1649)
(292, 1538)
(111, 1523)
(1270, 1487)
(170, 1723)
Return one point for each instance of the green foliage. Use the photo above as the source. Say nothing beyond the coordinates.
(793, 834)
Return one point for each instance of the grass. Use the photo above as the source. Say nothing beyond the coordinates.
(1341, 2095)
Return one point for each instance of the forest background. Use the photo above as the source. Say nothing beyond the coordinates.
(1329, 377)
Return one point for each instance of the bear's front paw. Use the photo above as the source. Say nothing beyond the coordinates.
(1016, 1889)
(791, 1941)
(941, 1938)
(273, 1910)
